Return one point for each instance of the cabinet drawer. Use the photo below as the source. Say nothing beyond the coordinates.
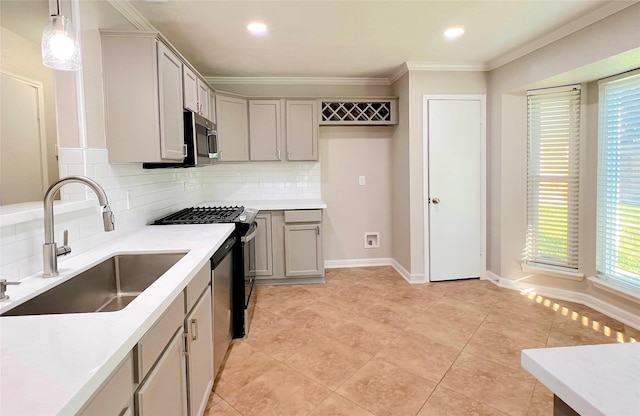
(303, 215)
(153, 342)
(114, 397)
(197, 286)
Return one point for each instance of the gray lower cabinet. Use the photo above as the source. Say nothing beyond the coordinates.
(115, 397)
(303, 243)
(175, 357)
(289, 246)
(172, 364)
(263, 254)
(164, 391)
(198, 326)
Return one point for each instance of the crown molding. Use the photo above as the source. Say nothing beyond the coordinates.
(398, 73)
(132, 15)
(297, 81)
(445, 66)
(433, 66)
(580, 23)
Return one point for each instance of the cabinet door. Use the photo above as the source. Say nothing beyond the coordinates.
(212, 106)
(263, 255)
(233, 129)
(303, 250)
(199, 328)
(203, 99)
(190, 85)
(302, 130)
(265, 130)
(164, 391)
(170, 100)
(116, 395)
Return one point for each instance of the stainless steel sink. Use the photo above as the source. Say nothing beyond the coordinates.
(106, 287)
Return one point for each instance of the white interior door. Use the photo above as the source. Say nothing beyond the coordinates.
(454, 135)
(22, 145)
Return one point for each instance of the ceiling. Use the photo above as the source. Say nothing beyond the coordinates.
(354, 39)
(360, 38)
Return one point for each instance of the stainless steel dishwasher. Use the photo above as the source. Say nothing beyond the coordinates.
(222, 275)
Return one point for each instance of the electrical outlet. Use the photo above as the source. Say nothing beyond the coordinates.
(362, 180)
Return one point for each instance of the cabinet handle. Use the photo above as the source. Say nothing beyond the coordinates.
(194, 329)
(318, 230)
(220, 156)
(279, 158)
(184, 150)
(288, 154)
(185, 340)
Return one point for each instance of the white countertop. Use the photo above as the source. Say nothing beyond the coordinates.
(52, 364)
(592, 379)
(268, 205)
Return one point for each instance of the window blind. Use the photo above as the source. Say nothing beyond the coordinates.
(618, 233)
(553, 177)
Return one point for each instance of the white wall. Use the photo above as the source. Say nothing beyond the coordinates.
(407, 156)
(605, 48)
(347, 152)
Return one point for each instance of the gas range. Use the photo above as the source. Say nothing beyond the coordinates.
(243, 254)
(241, 216)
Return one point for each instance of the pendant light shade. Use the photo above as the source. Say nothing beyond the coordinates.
(60, 49)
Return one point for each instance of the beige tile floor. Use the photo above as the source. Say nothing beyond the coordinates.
(366, 343)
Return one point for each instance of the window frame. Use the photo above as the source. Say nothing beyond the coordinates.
(573, 180)
(630, 283)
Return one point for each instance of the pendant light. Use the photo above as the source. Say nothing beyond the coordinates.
(60, 48)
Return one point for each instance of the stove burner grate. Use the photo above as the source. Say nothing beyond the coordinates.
(201, 215)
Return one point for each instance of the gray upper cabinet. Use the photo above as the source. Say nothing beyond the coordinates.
(265, 129)
(190, 81)
(233, 129)
(212, 106)
(203, 98)
(302, 130)
(170, 92)
(143, 98)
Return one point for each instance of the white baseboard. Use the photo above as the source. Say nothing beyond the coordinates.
(589, 300)
(336, 264)
(411, 278)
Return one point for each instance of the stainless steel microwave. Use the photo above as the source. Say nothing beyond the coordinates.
(200, 143)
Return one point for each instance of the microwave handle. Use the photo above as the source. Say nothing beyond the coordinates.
(212, 144)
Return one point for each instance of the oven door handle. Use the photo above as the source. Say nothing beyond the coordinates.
(247, 238)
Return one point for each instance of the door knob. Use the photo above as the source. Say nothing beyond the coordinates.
(436, 201)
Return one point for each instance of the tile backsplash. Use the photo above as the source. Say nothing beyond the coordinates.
(137, 196)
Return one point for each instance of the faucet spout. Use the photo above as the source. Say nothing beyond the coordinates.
(50, 250)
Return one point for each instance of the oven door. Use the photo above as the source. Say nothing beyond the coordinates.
(249, 257)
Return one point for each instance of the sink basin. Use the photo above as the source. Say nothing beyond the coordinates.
(106, 287)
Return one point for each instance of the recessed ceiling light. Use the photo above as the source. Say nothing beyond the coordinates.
(454, 32)
(257, 28)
